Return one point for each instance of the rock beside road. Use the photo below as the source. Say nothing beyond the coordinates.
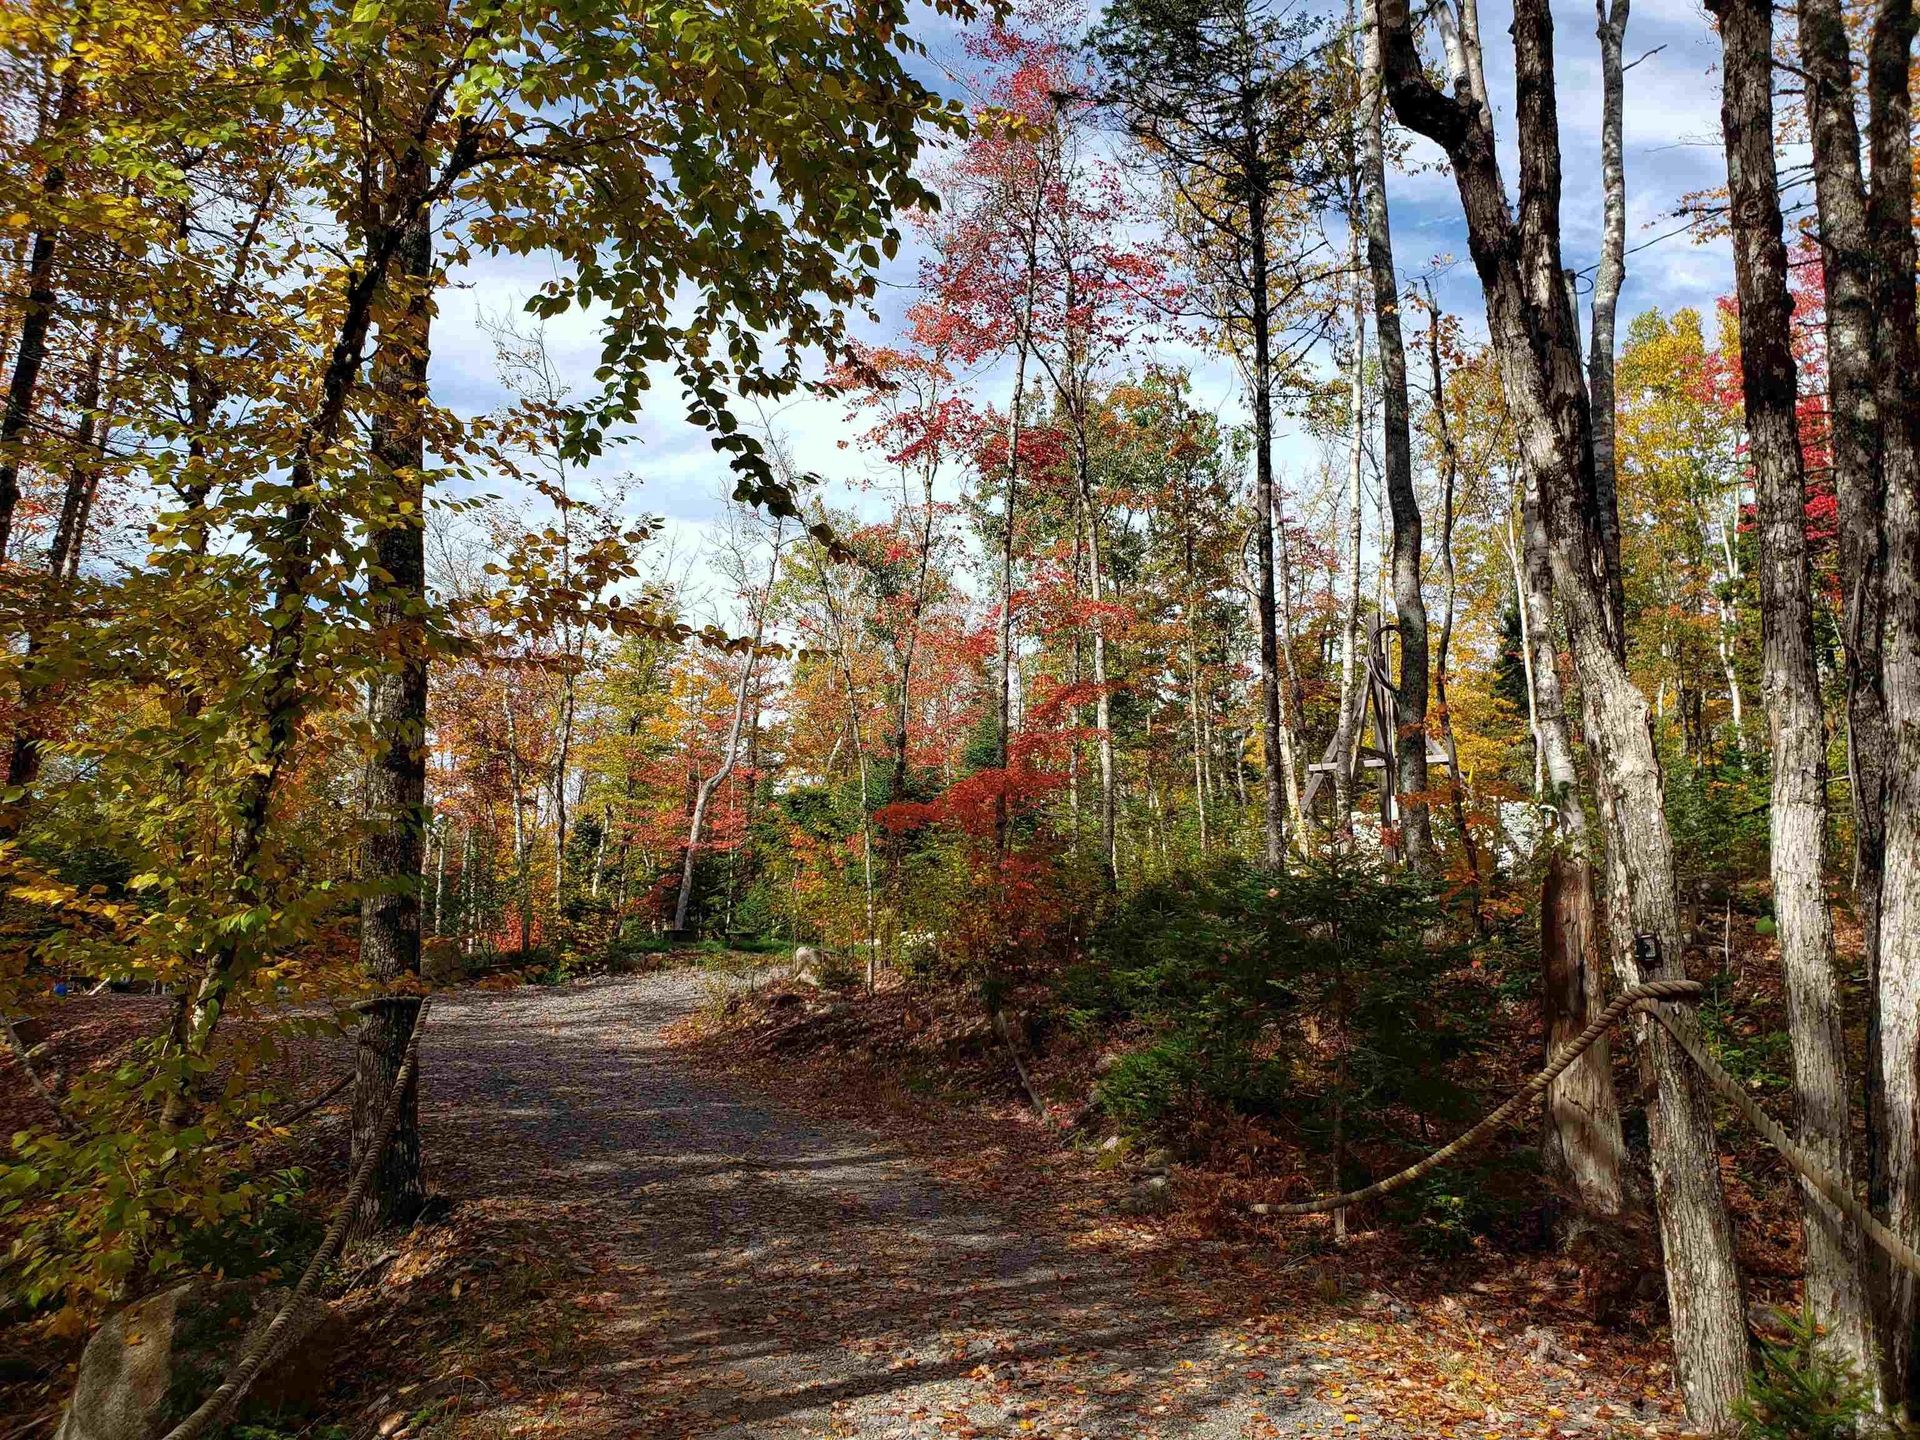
(152, 1362)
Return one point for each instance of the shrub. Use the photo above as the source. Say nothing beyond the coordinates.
(1306, 995)
(123, 1203)
(1801, 1390)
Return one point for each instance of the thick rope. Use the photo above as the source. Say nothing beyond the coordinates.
(215, 1407)
(1649, 998)
(1840, 1195)
(1639, 995)
(23, 1057)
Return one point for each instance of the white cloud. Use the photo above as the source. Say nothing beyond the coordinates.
(1671, 147)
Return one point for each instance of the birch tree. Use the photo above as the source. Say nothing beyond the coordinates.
(759, 608)
(1517, 256)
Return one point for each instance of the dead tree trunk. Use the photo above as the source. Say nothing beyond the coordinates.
(1584, 1144)
(1611, 26)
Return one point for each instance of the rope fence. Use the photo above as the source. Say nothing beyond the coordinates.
(1657, 999)
(1652, 990)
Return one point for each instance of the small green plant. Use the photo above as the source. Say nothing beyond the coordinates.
(1801, 1390)
(1444, 1224)
(1301, 996)
(719, 1002)
(553, 969)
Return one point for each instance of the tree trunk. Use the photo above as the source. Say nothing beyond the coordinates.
(1102, 700)
(522, 831)
(897, 788)
(1005, 697)
(83, 475)
(1532, 330)
(1894, 1026)
(1836, 1282)
(1353, 689)
(282, 699)
(397, 779)
(1584, 1142)
(1292, 699)
(562, 763)
(1847, 270)
(1409, 605)
(1727, 617)
(696, 825)
(1449, 582)
(843, 647)
(1195, 717)
(437, 842)
(1611, 26)
(42, 304)
(1271, 726)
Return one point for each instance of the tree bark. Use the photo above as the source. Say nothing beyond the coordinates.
(1894, 1027)
(1846, 260)
(897, 788)
(1102, 701)
(1409, 605)
(1196, 707)
(37, 319)
(1271, 725)
(1353, 683)
(843, 650)
(83, 476)
(397, 780)
(1518, 260)
(522, 830)
(1836, 1277)
(1611, 26)
(1584, 1143)
(1449, 584)
(1005, 697)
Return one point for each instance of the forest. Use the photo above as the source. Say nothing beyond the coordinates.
(1186, 592)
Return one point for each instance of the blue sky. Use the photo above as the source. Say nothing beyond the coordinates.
(1671, 148)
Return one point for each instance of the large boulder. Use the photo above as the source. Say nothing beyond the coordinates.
(152, 1362)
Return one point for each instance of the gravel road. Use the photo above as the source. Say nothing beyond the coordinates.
(767, 1277)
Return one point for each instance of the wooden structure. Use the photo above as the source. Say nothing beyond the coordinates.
(1377, 708)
